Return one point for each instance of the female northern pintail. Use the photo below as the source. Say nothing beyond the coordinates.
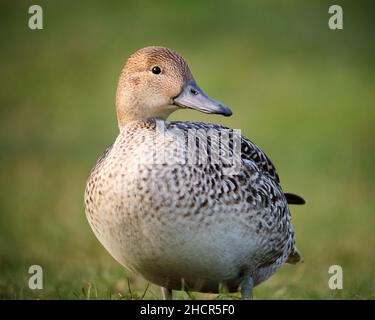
(188, 205)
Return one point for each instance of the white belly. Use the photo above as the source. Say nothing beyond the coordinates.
(204, 255)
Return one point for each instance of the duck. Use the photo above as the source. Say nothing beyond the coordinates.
(187, 205)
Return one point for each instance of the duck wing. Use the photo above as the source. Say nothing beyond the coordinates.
(249, 151)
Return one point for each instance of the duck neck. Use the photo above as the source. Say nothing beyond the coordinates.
(124, 119)
(127, 114)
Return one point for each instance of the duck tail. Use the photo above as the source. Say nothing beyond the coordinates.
(294, 257)
(292, 198)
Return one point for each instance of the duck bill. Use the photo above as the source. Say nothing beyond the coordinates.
(191, 96)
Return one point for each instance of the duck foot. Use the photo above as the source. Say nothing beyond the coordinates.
(166, 293)
(247, 288)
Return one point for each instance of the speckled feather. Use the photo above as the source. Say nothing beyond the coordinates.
(170, 220)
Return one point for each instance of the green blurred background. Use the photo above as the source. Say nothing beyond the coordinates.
(302, 92)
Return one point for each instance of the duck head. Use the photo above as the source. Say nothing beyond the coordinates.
(157, 81)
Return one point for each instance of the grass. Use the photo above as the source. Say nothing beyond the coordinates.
(302, 92)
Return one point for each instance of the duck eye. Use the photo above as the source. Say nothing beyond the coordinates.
(156, 70)
(193, 91)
